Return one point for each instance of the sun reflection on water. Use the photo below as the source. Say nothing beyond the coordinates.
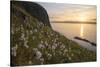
(81, 30)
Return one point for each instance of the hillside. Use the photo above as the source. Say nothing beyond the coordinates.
(34, 43)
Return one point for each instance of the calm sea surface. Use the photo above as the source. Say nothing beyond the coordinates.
(69, 30)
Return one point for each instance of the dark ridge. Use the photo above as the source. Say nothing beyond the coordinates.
(85, 40)
(35, 10)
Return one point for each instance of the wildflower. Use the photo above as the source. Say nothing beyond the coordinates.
(35, 49)
(55, 40)
(41, 31)
(49, 55)
(72, 54)
(17, 29)
(69, 58)
(12, 31)
(40, 46)
(41, 24)
(22, 27)
(46, 43)
(69, 48)
(35, 30)
(52, 40)
(23, 36)
(41, 41)
(51, 34)
(14, 50)
(38, 55)
(42, 60)
(31, 32)
(53, 47)
(25, 44)
(30, 62)
(62, 46)
(49, 47)
(57, 36)
(60, 43)
(65, 50)
(48, 36)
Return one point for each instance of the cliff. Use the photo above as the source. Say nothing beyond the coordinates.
(35, 10)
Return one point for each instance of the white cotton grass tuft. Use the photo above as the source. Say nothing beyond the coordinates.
(14, 49)
(49, 55)
(62, 46)
(38, 53)
(41, 60)
(31, 32)
(23, 36)
(25, 44)
(66, 50)
(17, 29)
(30, 62)
(46, 43)
(51, 34)
(22, 27)
(72, 54)
(35, 30)
(41, 46)
(35, 49)
(40, 24)
(55, 44)
(69, 58)
(53, 47)
(41, 42)
(55, 40)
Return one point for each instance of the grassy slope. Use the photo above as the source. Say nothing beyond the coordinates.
(34, 43)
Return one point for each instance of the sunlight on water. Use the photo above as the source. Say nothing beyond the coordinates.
(81, 30)
(86, 31)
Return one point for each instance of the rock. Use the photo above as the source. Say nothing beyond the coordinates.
(85, 40)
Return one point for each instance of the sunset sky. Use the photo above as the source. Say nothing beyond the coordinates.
(70, 12)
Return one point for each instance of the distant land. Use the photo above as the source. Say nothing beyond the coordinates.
(76, 22)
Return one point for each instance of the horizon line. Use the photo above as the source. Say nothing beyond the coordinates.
(80, 22)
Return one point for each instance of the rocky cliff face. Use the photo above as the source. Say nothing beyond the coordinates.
(35, 10)
(33, 42)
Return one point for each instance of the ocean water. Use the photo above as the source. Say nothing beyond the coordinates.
(86, 31)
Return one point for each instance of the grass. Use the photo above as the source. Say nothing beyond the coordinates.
(39, 44)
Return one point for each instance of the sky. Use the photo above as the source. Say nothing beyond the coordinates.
(70, 12)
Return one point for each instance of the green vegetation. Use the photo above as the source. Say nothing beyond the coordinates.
(34, 43)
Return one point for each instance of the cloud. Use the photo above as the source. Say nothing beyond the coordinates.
(66, 12)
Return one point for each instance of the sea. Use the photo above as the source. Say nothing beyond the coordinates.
(71, 30)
